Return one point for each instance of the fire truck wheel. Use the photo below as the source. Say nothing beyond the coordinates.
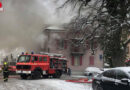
(45, 76)
(36, 75)
(57, 74)
(24, 76)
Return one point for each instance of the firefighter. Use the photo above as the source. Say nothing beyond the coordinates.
(69, 71)
(90, 75)
(5, 71)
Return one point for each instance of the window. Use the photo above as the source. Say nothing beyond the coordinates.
(44, 58)
(62, 44)
(51, 63)
(40, 58)
(24, 58)
(127, 50)
(121, 74)
(129, 73)
(77, 60)
(91, 60)
(34, 58)
(110, 74)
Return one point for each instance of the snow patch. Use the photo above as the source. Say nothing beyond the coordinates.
(44, 84)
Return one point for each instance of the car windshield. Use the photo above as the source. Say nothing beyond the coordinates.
(24, 58)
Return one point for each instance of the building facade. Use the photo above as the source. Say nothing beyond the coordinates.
(79, 56)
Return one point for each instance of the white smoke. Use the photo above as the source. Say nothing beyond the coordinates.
(22, 22)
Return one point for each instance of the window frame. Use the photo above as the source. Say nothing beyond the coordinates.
(79, 60)
(61, 44)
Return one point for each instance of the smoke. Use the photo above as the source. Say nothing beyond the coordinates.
(23, 21)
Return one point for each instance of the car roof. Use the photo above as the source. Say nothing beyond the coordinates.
(126, 69)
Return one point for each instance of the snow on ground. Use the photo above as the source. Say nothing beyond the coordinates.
(42, 84)
(78, 76)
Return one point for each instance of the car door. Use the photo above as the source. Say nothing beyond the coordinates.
(120, 85)
(108, 80)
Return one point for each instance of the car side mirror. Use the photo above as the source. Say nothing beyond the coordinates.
(125, 80)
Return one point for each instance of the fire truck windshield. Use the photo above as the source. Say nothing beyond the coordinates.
(24, 58)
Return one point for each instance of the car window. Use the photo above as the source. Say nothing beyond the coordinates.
(110, 74)
(129, 73)
(24, 58)
(121, 74)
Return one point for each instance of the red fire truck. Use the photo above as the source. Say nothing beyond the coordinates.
(41, 65)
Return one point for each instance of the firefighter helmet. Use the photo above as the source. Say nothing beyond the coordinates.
(5, 63)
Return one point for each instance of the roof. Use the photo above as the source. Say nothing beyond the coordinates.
(126, 69)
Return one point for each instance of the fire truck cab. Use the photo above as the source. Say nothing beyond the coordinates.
(41, 65)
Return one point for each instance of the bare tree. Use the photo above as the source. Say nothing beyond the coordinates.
(107, 19)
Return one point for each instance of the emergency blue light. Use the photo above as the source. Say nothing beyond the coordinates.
(32, 52)
(22, 53)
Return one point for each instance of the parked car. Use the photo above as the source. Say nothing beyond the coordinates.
(92, 71)
(113, 79)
